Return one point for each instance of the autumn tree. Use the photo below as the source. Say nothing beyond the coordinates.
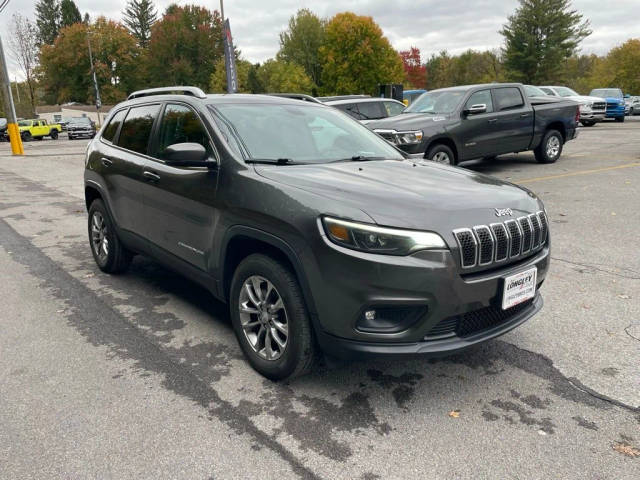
(65, 70)
(23, 43)
(218, 82)
(139, 16)
(357, 57)
(69, 13)
(301, 42)
(470, 67)
(47, 20)
(184, 46)
(415, 74)
(277, 76)
(539, 37)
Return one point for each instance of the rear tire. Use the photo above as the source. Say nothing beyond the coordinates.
(588, 123)
(258, 283)
(440, 153)
(107, 249)
(550, 147)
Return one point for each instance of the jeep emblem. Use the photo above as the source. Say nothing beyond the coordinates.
(501, 212)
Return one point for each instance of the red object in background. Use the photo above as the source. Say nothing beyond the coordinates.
(415, 72)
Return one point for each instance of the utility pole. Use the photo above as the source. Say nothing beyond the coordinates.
(12, 124)
(222, 12)
(95, 80)
(17, 89)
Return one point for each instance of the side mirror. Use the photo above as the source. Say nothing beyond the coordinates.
(187, 155)
(476, 109)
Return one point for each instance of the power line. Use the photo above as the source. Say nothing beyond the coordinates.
(3, 4)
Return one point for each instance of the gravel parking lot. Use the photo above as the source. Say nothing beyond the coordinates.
(140, 376)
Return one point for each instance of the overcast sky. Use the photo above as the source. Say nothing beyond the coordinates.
(431, 25)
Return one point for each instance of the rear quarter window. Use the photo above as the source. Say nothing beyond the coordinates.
(111, 129)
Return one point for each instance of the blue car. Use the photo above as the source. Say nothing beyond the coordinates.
(615, 102)
(408, 96)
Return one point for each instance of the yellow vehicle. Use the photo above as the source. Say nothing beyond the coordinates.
(38, 129)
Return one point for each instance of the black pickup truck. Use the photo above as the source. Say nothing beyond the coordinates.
(451, 125)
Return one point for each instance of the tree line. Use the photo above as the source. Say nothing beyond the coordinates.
(344, 54)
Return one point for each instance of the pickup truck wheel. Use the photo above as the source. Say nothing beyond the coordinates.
(54, 134)
(270, 318)
(26, 136)
(588, 123)
(620, 119)
(441, 154)
(106, 247)
(550, 147)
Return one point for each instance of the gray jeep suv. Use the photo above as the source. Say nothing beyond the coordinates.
(319, 234)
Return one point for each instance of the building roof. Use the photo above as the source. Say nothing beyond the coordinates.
(78, 107)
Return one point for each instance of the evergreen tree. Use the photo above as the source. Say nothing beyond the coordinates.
(47, 20)
(139, 16)
(69, 13)
(539, 37)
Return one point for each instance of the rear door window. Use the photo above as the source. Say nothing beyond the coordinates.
(393, 108)
(111, 129)
(136, 129)
(508, 98)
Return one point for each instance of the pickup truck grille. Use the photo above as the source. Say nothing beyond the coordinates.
(613, 106)
(599, 106)
(485, 245)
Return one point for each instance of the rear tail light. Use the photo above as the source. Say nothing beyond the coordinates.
(577, 115)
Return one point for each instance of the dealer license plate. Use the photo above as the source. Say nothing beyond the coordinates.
(519, 287)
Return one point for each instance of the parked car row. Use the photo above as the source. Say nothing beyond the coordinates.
(37, 129)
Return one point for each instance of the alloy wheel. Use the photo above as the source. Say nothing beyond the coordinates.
(441, 157)
(263, 317)
(553, 147)
(99, 240)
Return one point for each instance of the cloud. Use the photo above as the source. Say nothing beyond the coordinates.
(431, 25)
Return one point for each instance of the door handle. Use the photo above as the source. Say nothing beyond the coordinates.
(523, 115)
(492, 120)
(106, 161)
(150, 176)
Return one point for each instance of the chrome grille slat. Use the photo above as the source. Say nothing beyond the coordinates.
(535, 223)
(484, 245)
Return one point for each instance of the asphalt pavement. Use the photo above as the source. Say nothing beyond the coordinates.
(139, 375)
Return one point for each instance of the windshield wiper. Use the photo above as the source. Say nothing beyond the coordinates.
(272, 161)
(357, 158)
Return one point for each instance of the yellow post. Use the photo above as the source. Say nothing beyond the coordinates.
(12, 125)
(14, 138)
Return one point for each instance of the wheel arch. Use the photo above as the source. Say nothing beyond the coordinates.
(443, 141)
(559, 126)
(241, 241)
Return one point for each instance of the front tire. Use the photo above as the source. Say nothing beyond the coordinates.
(441, 154)
(620, 119)
(26, 137)
(550, 147)
(107, 249)
(270, 318)
(54, 134)
(588, 123)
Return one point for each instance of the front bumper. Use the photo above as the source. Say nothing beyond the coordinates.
(345, 283)
(592, 116)
(615, 112)
(81, 133)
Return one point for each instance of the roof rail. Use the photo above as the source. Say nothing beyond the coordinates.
(179, 90)
(296, 96)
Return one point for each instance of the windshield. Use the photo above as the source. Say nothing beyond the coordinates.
(566, 92)
(24, 123)
(305, 133)
(81, 121)
(532, 91)
(437, 102)
(606, 92)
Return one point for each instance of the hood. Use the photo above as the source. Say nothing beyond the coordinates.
(422, 196)
(586, 98)
(409, 121)
(615, 100)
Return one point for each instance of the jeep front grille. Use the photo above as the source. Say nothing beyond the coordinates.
(484, 245)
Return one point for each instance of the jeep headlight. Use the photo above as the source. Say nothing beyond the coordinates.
(383, 240)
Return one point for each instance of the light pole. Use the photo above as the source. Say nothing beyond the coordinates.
(12, 124)
(95, 80)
